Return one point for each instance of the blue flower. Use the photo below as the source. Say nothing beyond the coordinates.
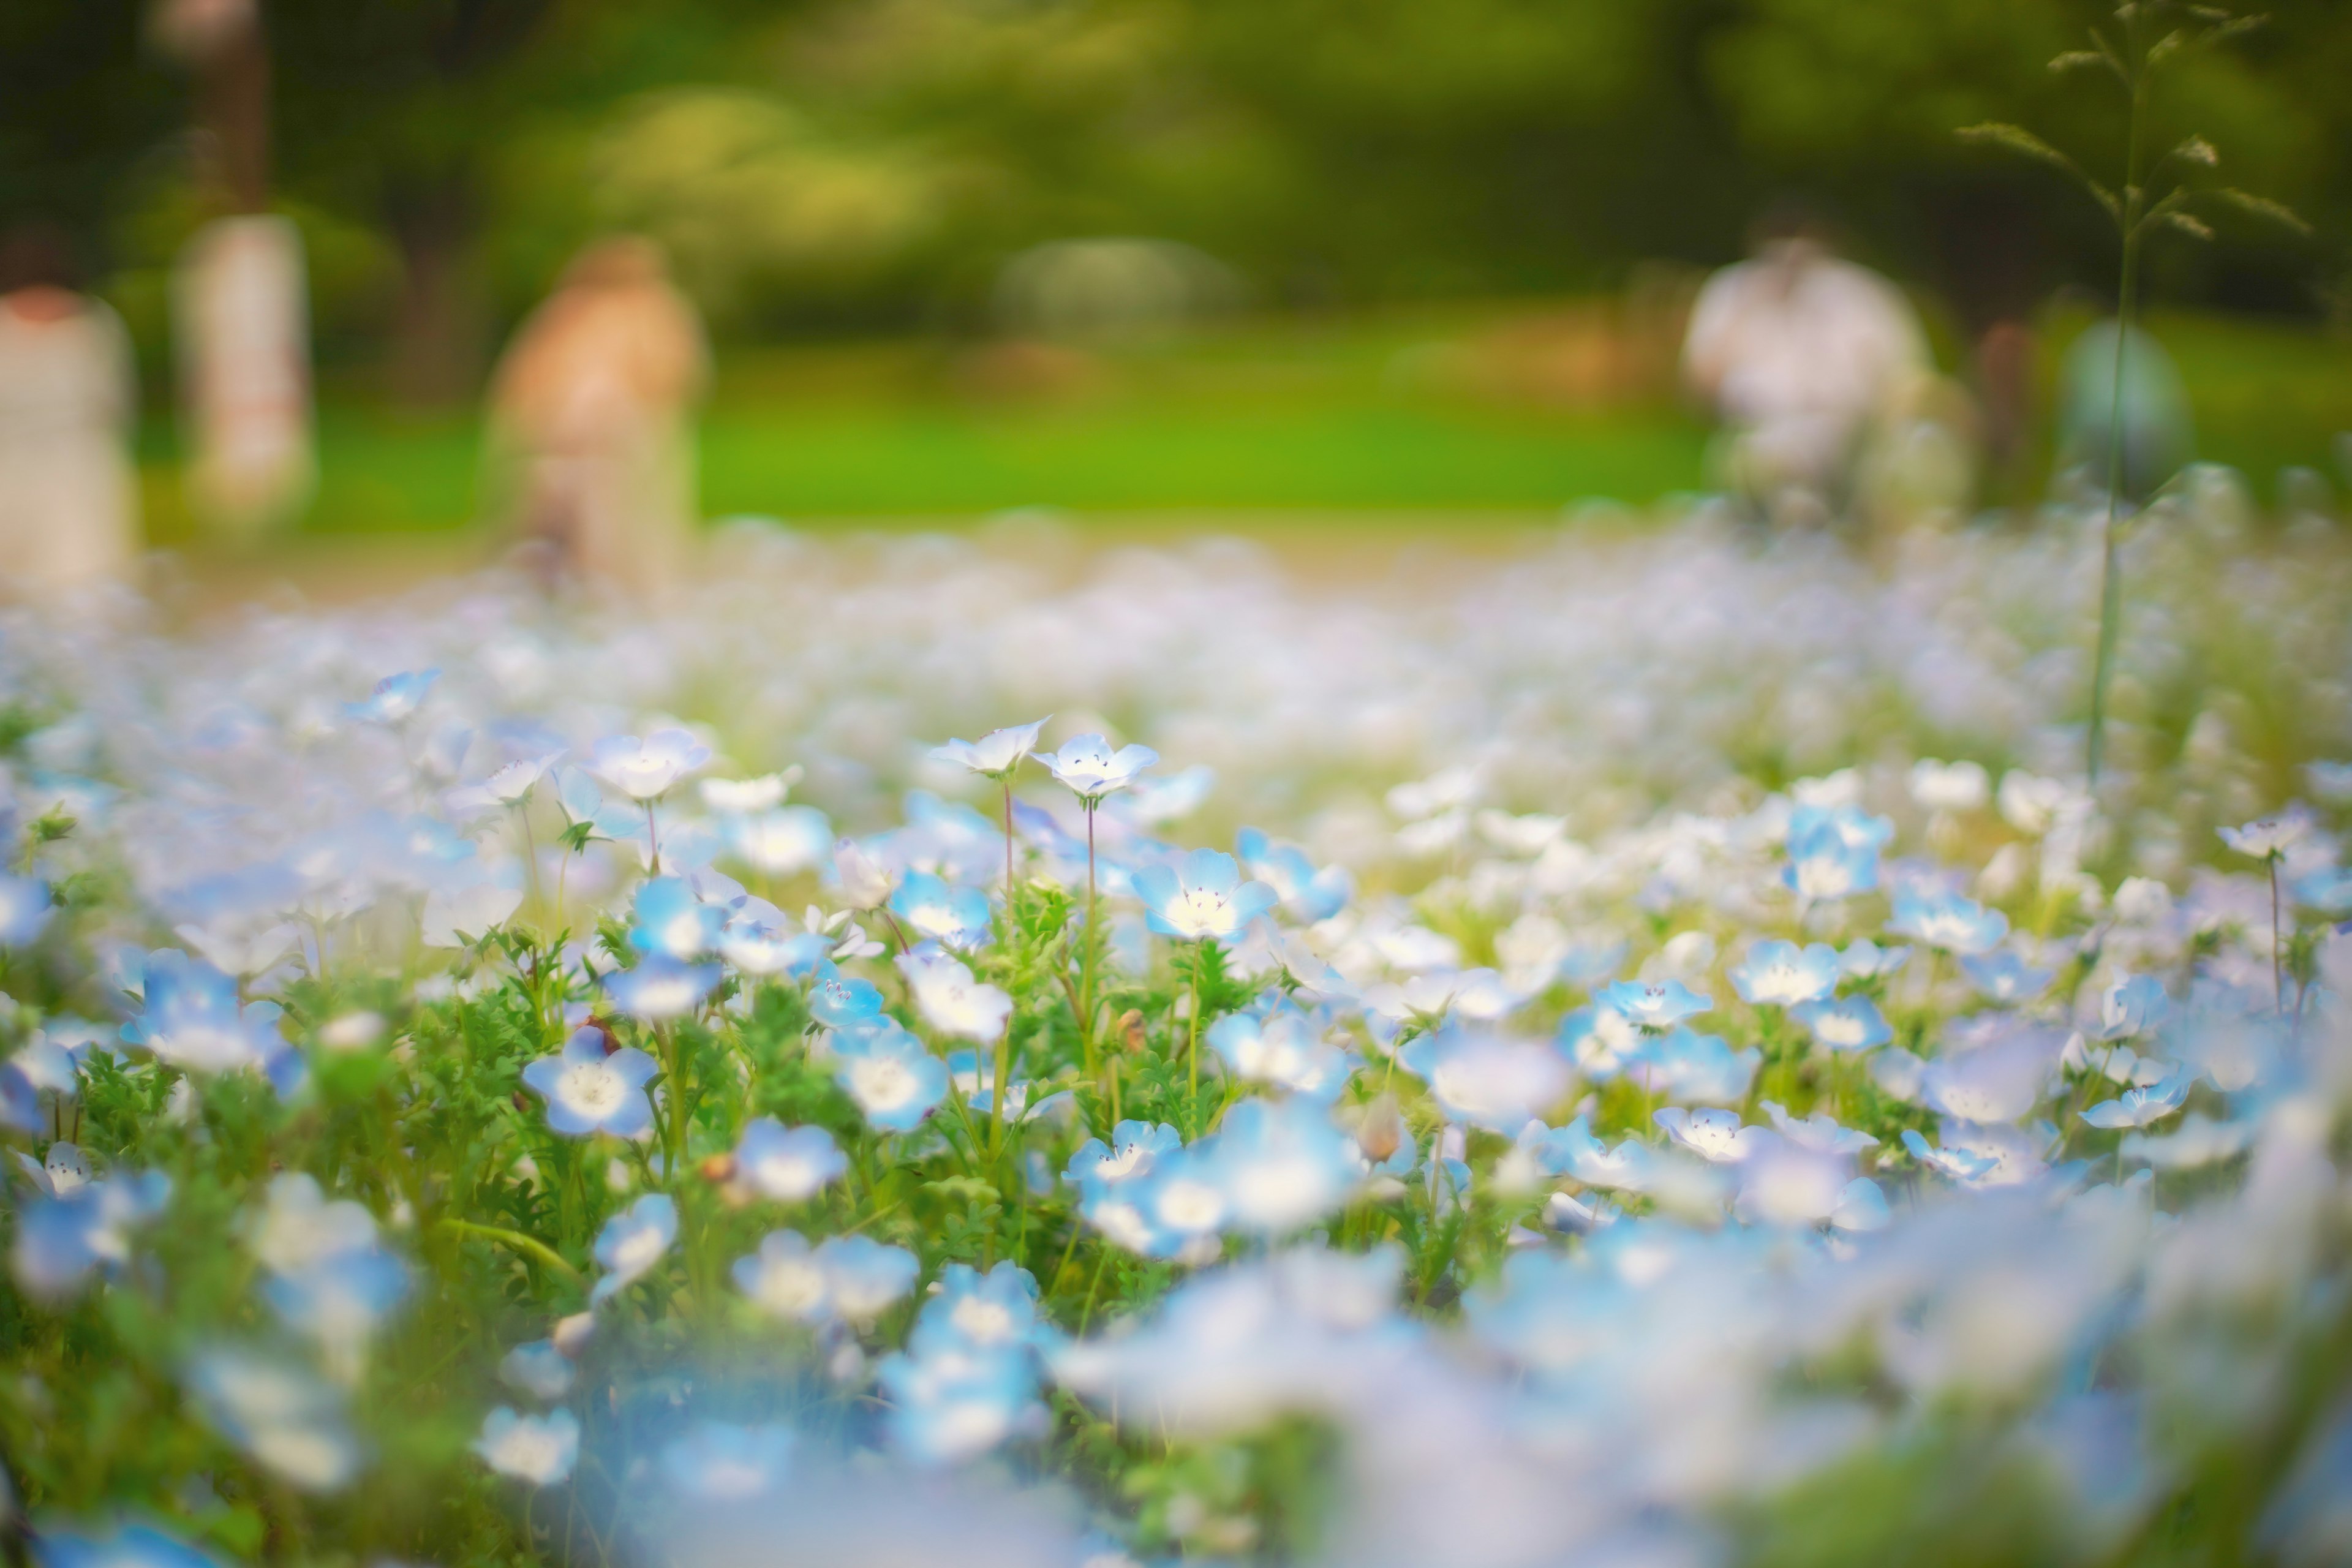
(1947, 920)
(783, 1279)
(719, 1461)
(2005, 977)
(590, 1091)
(1573, 1151)
(2131, 1006)
(1598, 1041)
(1658, 1006)
(787, 1163)
(632, 1242)
(193, 1021)
(660, 987)
(894, 1079)
(2142, 1107)
(539, 1369)
(1309, 895)
(123, 1546)
(838, 1002)
(948, 1406)
(950, 999)
(1134, 1148)
(759, 940)
(781, 841)
(996, 754)
(863, 1276)
(394, 699)
(1782, 974)
(539, 1450)
(1845, 1023)
(25, 909)
(1832, 854)
(1718, 1137)
(1847, 822)
(1284, 1049)
(1200, 897)
(282, 1416)
(978, 1312)
(955, 917)
(1286, 1166)
(1088, 766)
(1865, 959)
(2268, 837)
(61, 1240)
(1486, 1079)
(1687, 1066)
(670, 921)
(1955, 1164)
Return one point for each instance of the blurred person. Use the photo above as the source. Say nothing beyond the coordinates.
(242, 314)
(590, 421)
(1797, 351)
(69, 495)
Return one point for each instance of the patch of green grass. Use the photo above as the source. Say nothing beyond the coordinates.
(1268, 416)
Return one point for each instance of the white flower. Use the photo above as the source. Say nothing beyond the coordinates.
(644, 770)
(540, 1449)
(747, 795)
(1950, 787)
(995, 754)
(2268, 836)
(1090, 769)
(952, 1002)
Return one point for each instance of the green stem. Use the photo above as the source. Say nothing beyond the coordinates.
(1086, 960)
(2111, 587)
(997, 1109)
(528, 1245)
(1192, 1043)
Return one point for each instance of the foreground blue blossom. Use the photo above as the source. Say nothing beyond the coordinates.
(632, 1242)
(887, 1071)
(661, 988)
(1658, 1006)
(192, 1018)
(25, 905)
(1202, 896)
(591, 1089)
(536, 1450)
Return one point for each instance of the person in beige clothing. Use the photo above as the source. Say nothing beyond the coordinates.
(69, 494)
(590, 422)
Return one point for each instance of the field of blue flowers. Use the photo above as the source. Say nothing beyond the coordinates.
(1647, 1052)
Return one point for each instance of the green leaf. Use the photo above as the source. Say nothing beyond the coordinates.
(2263, 206)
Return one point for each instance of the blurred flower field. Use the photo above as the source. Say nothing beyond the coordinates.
(1640, 1051)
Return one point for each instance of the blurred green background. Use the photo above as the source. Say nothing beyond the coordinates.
(1433, 249)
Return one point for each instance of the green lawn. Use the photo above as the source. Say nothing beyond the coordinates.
(1269, 416)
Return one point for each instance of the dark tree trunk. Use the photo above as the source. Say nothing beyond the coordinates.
(437, 348)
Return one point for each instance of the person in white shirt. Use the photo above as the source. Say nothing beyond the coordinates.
(1797, 351)
(69, 494)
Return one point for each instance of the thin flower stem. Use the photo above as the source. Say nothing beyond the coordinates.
(1193, 1042)
(1008, 849)
(653, 841)
(2278, 950)
(2111, 587)
(1087, 957)
(997, 1110)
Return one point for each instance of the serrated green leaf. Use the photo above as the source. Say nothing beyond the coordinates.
(2263, 206)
